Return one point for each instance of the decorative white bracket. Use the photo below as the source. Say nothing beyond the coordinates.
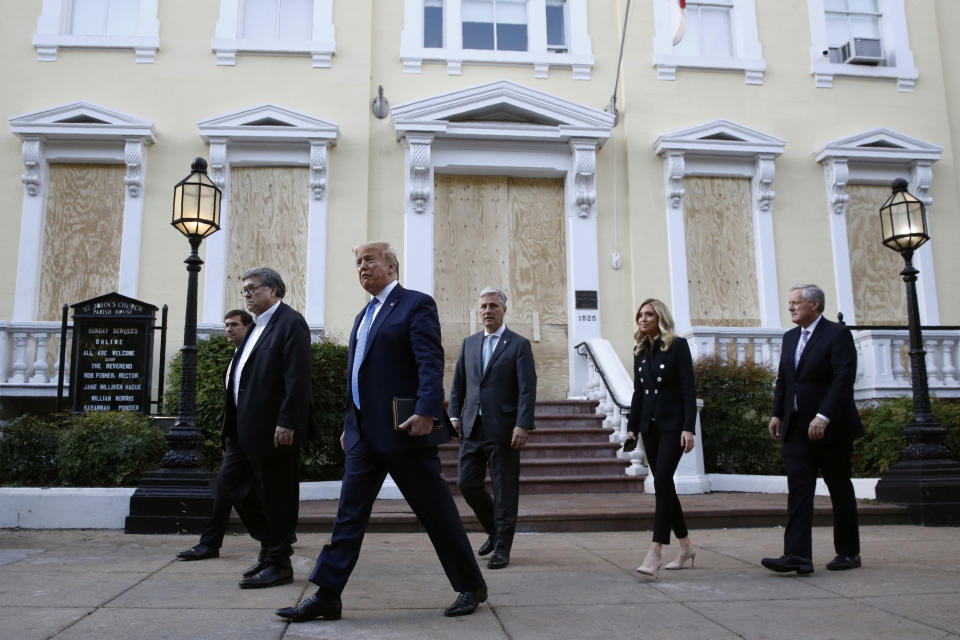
(318, 169)
(585, 176)
(418, 159)
(32, 157)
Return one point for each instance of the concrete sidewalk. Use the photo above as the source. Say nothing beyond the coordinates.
(100, 584)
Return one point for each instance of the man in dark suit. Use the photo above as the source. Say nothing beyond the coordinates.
(266, 418)
(815, 416)
(493, 397)
(235, 324)
(394, 352)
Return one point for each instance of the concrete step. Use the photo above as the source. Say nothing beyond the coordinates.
(568, 421)
(569, 450)
(587, 483)
(567, 406)
(539, 467)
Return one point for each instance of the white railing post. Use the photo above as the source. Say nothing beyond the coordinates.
(18, 371)
(40, 366)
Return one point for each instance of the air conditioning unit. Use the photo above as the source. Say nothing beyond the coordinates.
(862, 51)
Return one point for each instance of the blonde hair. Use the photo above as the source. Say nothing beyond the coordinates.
(386, 252)
(664, 321)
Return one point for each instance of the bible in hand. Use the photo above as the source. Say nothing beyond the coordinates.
(404, 408)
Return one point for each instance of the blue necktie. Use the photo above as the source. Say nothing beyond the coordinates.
(488, 352)
(361, 349)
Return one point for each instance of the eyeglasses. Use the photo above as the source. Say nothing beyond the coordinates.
(249, 291)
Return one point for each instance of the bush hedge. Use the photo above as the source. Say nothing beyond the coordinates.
(102, 449)
(321, 458)
(737, 399)
(109, 449)
(883, 423)
(28, 452)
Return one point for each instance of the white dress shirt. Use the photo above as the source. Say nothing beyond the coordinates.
(259, 324)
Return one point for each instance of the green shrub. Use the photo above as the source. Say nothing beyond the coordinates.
(28, 452)
(213, 356)
(321, 458)
(737, 401)
(884, 422)
(109, 449)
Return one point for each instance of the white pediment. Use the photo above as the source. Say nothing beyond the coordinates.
(879, 145)
(268, 122)
(501, 109)
(720, 137)
(82, 120)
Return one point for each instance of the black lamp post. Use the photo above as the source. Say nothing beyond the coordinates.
(926, 479)
(177, 497)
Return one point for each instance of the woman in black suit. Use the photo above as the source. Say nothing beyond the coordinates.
(664, 413)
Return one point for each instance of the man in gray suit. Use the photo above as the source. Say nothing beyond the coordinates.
(492, 405)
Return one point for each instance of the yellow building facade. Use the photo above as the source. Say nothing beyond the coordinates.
(751, 156)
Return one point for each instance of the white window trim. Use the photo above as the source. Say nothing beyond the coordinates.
(877, 157)
(54, 21)
(696, 151)
(896, 46)
(568, 149)
(578, 57)
(227, 42)
(116, 138)
(237, 141)
(747, 52)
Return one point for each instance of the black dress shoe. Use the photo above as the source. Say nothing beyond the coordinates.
(199, 552)
(498, 560)
(270, 576)
(254, 569)
(316, 606)
(842, 563)
(788, 563)
(486, 547)
(467, 602)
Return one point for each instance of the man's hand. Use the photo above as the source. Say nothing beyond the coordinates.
(774, 428)
(817, 429)
(282, 436)
(520, 435)
(456, 426)
(417, 425)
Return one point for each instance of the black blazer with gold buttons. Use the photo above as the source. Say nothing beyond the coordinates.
(663, 389)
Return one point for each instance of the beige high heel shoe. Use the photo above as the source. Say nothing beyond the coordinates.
(643, 570)
(682, 559)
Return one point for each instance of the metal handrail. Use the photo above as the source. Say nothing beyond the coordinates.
(606, 383)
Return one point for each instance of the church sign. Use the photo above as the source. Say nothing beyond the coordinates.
(112, 358)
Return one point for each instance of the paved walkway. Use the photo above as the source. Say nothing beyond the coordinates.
(97, 584)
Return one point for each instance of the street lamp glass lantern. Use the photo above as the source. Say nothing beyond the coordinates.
(196, 203)
(903, 219)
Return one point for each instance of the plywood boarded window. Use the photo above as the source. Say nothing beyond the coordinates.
(508, 233)
(269, 209)
(879, 296)
(721, 267)
(81, 239)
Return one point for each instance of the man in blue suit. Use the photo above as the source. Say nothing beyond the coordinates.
(395, 352)
(815, 416)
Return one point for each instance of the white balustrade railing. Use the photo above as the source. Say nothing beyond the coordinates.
(883, 363)
(29, 358)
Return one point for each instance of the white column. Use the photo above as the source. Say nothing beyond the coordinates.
(30, 257)
(921, 177)
(673, 170)
(417, 271)
(583, 266)
(763, 242)
(317, 235)
(134, 155)
(837, 172)
(215, 266)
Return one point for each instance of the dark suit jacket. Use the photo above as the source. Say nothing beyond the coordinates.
(274, 386)
(506, 391)
(403, 359)
(663, 389)
(822, 382)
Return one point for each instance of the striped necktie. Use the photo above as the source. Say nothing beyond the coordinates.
(804, 336)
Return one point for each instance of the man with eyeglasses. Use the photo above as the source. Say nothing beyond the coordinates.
(266, 417)
(235, 325)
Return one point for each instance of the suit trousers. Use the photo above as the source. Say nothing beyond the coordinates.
(663, 453)
(212, 534)
(417, 474)
(803, 459)
(497, 513)
(266, 494)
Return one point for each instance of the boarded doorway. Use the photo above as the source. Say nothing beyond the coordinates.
(509, 233)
